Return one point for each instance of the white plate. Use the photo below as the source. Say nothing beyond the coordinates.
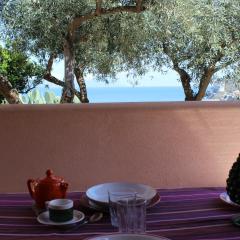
(44, 218)
(225, 197)
(128, 237)
(99, 193)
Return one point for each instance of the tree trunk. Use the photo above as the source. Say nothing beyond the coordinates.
(8, 91)
(82, 85)
(189, 94)
(205, 81)
(186, 83)
(69, 61)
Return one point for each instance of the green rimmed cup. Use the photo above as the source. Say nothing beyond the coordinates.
(60, 210)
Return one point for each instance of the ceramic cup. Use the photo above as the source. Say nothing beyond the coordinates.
(60, 210)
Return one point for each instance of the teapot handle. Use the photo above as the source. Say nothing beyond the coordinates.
(30, 184)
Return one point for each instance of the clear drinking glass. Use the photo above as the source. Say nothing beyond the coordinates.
(127, 211)
(131, 215)
(117, 197)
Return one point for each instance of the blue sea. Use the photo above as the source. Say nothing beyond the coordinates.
(129, 94)
(135, 94)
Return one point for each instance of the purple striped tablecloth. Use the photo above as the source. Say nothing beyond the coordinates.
(196, 213)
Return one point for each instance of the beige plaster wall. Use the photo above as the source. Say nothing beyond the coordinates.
(161, 144)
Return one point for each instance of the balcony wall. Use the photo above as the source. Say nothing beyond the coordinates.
(161, 144)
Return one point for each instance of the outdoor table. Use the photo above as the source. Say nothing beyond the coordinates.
(191, 213)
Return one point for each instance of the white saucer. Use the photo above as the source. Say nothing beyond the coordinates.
(128, 237)
(44, 218)
(225, 197)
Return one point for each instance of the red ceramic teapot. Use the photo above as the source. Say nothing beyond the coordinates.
(51, 187)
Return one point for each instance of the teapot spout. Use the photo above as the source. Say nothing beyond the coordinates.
(64, 187)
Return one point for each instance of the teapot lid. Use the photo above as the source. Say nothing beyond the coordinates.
(50, 178)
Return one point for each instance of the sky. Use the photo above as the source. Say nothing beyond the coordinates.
(151, 79)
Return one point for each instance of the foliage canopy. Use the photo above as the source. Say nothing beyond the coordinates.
(22, 73)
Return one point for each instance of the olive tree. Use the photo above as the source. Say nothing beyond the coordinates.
(59, 29)
(199, 39)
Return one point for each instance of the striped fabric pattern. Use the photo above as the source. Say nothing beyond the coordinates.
(182, 214)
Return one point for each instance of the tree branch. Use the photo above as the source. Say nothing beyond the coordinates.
(48, 76)
(52, 79)
(204, 82)
(50, 63)
(79, 20)
(207, 76)
(60, 83)
(184, 76)
(81, 83)
(186, 81)
(139, 5)
(98, 7)
(8, 92)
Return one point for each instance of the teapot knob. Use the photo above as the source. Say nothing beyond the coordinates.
(49, 173)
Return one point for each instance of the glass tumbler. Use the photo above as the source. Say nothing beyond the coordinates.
(131, 215)
(116, 197)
